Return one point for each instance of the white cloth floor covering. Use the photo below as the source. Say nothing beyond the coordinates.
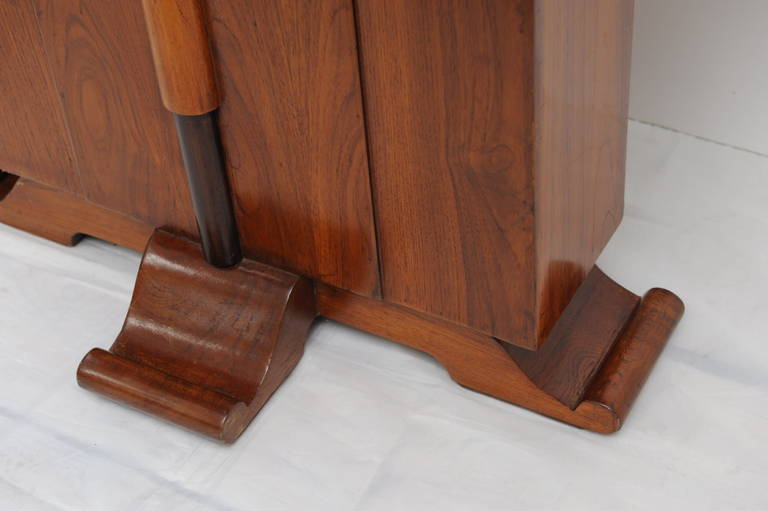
(366, 424)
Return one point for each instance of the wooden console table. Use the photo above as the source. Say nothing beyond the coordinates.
(442, 173)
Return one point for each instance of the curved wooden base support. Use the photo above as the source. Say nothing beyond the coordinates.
(483, 364)
(203, 347)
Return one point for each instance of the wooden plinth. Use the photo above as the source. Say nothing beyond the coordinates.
(180, 357)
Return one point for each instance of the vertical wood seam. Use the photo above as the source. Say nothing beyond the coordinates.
(380, 292)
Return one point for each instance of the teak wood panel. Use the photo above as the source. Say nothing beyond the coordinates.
(33, 134)
(497, 132)
(292, 128)
(124, 139)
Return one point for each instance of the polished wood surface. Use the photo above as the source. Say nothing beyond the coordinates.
(581, 68)
(64, 218)
(34, 141)
(291, 119)
(207, 179)
(202, 347)
(292, 127)
(633, 356)
(444, 173)
(447, 90)
(7, 182)
(497, 129)
(474, 360)
(580, 341)
(124, 139)
(482, 363)
(182, 56)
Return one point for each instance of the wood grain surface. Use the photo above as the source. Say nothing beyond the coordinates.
(292, 128)
(203, 347)
(449, 111)
(496, 132)
(34, 141)
(474, 360)
(497, 129)
(180, 46)
(583, 51)
(7, 182)
(124, 139)
(64, 218)
(481, 363)
(207, 180)
(580, 340)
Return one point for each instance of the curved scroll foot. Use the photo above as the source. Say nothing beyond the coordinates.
(587, 373)
(202, 347)
(623, 373)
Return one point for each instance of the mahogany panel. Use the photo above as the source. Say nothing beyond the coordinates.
(292, 130)
(448, 93)
(34, 141)
(583, 51)
(123, 137)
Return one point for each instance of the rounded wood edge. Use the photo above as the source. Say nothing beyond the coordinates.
(481, 363)
(625, 371)
(156, 393)
(182, 55)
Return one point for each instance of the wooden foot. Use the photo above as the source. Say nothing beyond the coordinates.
(602, 350)
(203, 347)
(187, 319)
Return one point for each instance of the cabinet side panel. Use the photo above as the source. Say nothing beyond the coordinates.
(34, 141)
(582, 51)
(448, 90)
(124, 139)
(292, 129)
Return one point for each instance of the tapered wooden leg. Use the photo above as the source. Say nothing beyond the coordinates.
(203, 347)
